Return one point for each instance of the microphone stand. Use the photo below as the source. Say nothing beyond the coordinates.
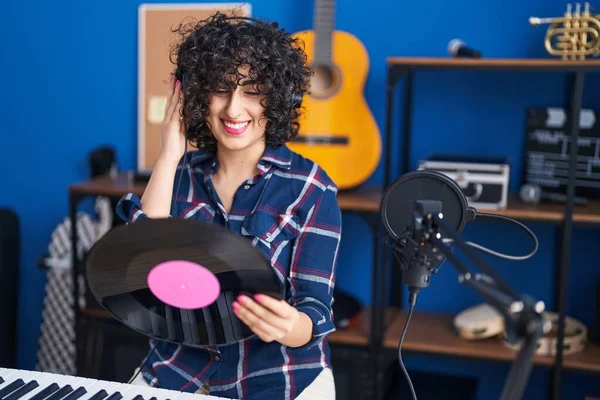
(522, 314)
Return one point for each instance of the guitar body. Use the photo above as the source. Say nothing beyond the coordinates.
(337, 128)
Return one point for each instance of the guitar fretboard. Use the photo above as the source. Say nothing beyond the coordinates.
(324, 21)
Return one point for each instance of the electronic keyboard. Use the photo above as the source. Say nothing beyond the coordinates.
(18, 384)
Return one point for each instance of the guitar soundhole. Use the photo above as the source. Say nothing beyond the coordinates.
(325, 81)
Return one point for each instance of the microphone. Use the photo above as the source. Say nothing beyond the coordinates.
(403, 206)
(458, 48)
(406, 210)
(423, 211)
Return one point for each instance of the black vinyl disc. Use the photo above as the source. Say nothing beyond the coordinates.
(399, 199)
(118, 266)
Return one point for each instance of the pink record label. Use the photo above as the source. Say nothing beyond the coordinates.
(183, 284)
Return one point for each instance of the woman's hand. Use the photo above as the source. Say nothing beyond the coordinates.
(172, 140)
(273, 320)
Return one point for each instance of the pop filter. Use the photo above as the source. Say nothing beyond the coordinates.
(399, 200)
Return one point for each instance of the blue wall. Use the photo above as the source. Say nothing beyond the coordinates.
(69, 85)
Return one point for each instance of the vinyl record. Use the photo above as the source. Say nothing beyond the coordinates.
(175, 279)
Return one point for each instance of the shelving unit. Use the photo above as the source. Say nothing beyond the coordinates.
(378, 327)
(430, 332)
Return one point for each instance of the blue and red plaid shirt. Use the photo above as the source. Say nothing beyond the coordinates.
(290, 212)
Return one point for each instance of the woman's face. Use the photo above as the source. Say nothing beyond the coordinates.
(237, 118)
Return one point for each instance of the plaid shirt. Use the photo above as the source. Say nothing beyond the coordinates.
(289, 211)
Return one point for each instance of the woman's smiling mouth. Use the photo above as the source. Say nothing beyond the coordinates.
(233, 127)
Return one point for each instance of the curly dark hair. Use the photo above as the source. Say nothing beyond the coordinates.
(212, 51)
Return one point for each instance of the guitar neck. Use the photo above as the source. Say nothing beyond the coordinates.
(324, 21)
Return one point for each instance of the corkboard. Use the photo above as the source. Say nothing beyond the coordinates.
(155, 38)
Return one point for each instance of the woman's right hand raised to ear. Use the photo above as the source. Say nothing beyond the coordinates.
(172, 140)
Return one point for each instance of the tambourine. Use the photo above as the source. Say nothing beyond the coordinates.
(479, 322)
(575, 339)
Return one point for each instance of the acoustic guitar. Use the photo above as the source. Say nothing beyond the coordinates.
(337, 128)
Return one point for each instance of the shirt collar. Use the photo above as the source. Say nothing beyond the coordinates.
(281, 157)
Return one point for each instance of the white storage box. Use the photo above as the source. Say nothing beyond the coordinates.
(483, 180)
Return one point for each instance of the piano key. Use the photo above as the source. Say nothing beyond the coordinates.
(108, 387)
(47, 385)
(100, 394)
(60, 393)
(115, 396)
(22, 391)
(44, 392)
(11, 387)
(14, 380)
(76, 394)
(64, 387)
(129, 392)
(190, 396)
(50, 386)
(7, 381)
(93, 388)
(147, 393)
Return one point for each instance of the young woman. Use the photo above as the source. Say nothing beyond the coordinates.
(237, 107)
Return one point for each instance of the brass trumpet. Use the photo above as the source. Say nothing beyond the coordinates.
(574, 36)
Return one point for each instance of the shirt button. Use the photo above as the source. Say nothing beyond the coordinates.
(217, 358)
(246, 187)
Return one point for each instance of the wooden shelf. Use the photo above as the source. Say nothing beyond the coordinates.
(433, 333)
(368, 199)
(106, 186)
(358, 333)
(551, 212)
(495, 63)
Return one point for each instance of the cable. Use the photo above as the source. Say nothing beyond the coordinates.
(526, 229)
(412, 301)
(143, 364)
(501, 255)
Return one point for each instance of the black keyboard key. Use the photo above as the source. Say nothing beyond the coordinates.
(11, 387)
(1, 380)
(80, 391)
(60, 393)
(22, 391)
(138, 397)
(47, 391)
(100, 395)
(115, 396)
